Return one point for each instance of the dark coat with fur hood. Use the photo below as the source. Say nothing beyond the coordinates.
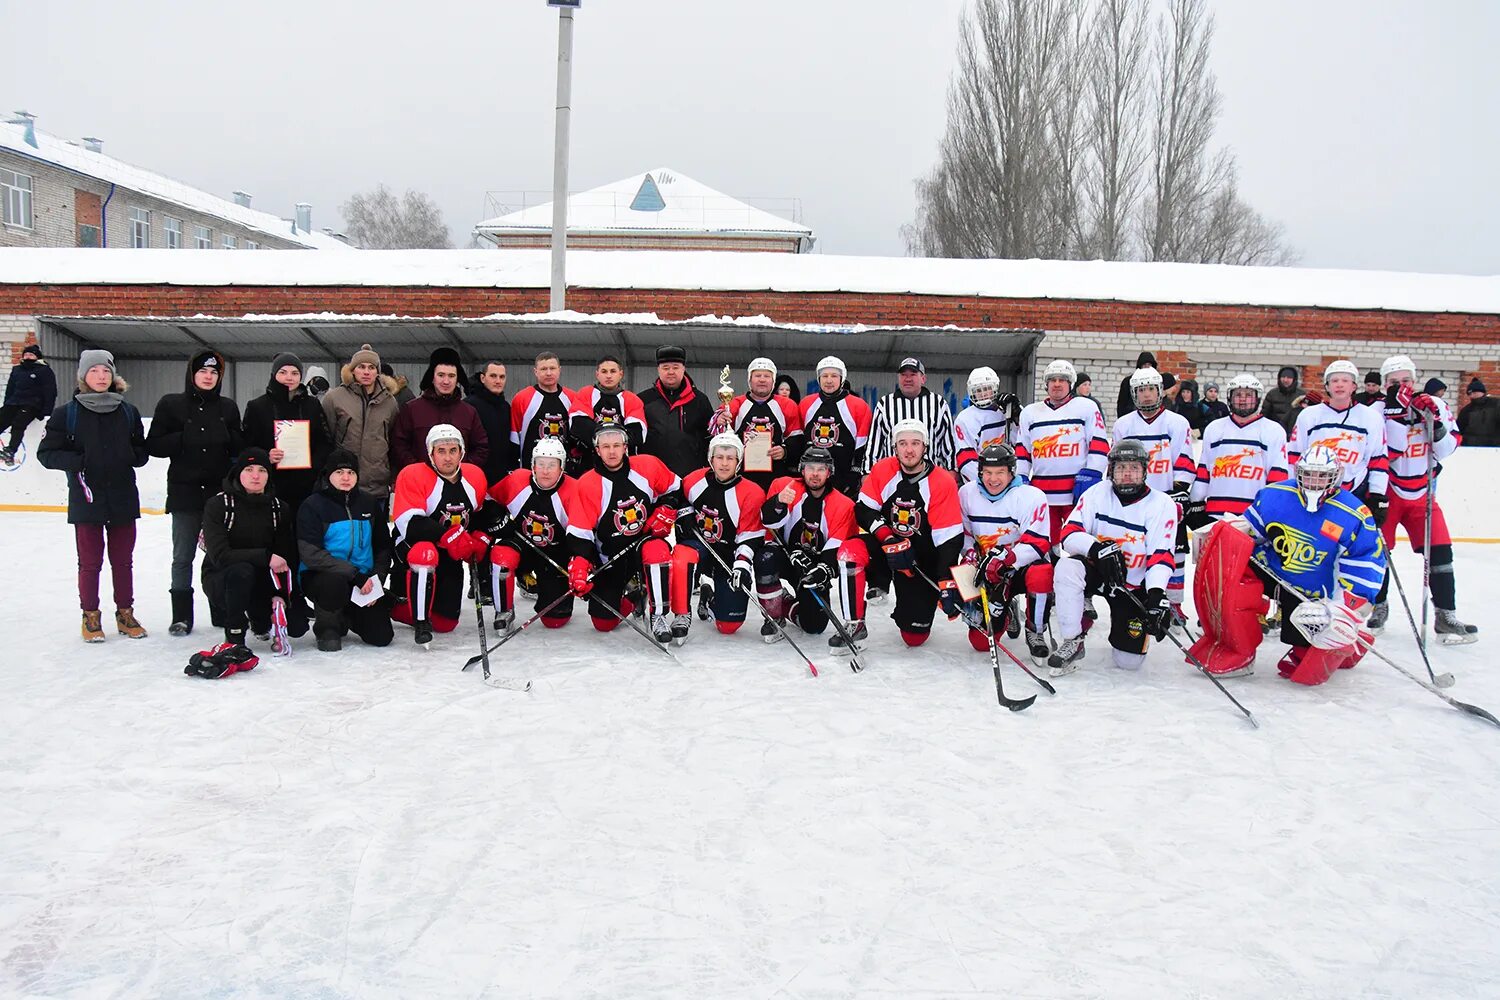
(200, 433)
(361, 422)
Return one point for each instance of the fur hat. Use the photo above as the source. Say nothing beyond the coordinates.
(441, 356)
(667, 353)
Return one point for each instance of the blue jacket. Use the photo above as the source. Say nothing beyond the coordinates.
(33, 386)
(343, 533)
(1338, 545)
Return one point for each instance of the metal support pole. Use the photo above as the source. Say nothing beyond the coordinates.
(560, 158)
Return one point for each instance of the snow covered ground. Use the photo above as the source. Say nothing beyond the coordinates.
(378, 824)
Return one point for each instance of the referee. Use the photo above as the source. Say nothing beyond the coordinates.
(912, 400)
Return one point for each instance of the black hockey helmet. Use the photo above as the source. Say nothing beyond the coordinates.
(1129, 452)
(816, 456)
(998, 456)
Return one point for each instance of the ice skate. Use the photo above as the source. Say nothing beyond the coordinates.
(769, 632)
(1452, 632)
(1038, 647)
(680, 626)
(661, 628)
(857, 632)
(1065, 660)
(1378, 617)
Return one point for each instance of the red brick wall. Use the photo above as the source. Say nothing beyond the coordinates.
(18, 346)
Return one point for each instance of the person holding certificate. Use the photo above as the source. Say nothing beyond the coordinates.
(289, 424)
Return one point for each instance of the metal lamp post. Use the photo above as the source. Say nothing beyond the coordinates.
(565, 10)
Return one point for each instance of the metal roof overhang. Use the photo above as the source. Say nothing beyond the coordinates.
(580, 341)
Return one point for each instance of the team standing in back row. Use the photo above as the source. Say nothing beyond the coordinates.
(640, 504)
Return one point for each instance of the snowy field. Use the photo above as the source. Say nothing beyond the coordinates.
(378, 824)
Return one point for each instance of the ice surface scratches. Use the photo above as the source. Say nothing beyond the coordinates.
(378, 824)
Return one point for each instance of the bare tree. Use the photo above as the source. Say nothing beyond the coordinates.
(1116, 145)
(378, 220)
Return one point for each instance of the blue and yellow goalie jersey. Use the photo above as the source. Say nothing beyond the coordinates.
(1336, 545)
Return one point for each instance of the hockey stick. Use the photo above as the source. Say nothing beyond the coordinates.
(754, 597)
(513, 684)
(1462, 706)
(1191, 658)
(1014, 704)
(1441, 680)
(1428, 420)
(838, 623)
(976, 626)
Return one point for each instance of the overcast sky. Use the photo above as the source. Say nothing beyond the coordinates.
(1371, 131)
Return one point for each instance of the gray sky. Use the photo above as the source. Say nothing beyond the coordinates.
(1371, 131)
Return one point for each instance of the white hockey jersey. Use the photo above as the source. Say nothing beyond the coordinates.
(1016, 519)
(1167, 438)
(975, 429)
(1356, 435)
(1236, 460)
(1054, 443)
(1406, 448)
(1145, 530)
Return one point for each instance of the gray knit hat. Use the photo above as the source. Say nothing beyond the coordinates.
(88, 359)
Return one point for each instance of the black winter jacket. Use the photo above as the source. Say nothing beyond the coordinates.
(494, 414)
(261, 413)
(1278, 401)
(1479, 422)
(33, 386)
(677, 426)
(200, 432)
(239, 527)
(100, 458)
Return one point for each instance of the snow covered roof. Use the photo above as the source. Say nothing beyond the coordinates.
(80, 159)
(1098, 281)
(661, 201)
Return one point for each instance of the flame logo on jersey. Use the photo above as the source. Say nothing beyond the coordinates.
(1055, 445)
(906, 518)
(539, 530)
(552, 425)
(711, 524)
(1339, 445)
(984, 543)
(825, 432)
(629, 516)
(1238, 465)
(1157, 460)
(1299, 552)
(1133, 560)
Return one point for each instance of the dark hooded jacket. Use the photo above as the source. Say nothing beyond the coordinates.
(240, 527)
(1126, 402)
(1278, 402)
(261, 414)
(199, 432)
(100, 452)
(32, 386)
(342, 533)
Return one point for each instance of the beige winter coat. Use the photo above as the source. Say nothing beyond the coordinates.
(362, 423)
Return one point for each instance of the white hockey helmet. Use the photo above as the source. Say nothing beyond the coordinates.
(762, 365)
(1143, 378)
(981, 379)
(910, 426)
(1319, 476)
(1398, 363)
(1244, 381)
(446, 432)
(549, 448)
(727, 439)
(836, 364)
(1060, 369)
(1341, 368)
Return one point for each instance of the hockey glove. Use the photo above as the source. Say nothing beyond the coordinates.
(1195, 515)
(996, 565)
(949, 599)
(898, 554)
(1109, 562)
(1158, 613)
(1082, 481)
(661, 521)
(481, 543)
(800, 560)
(457, 543)
(1181, 497)
(1422, 401)
(578, 575)
(816, 577)
(1377, 504)
(741, 576)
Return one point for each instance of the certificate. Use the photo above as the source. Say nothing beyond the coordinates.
(294, 437)
(365, 600)
(758, 453)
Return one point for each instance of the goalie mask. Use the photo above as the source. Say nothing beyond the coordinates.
(984, 386)
(1319, 476)
(1127, 470)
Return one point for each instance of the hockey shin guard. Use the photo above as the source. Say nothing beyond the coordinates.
(684, 578)
(656, 567)
(421, 580)
(853, 558)
(504, 561)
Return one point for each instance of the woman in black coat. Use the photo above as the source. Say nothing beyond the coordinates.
(199, 431)
(98, 440)
(287, 399)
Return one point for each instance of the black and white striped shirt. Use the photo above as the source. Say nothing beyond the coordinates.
(928, 407)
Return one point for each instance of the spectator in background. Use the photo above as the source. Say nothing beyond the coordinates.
(677, 414)
(1085, 387)
(1436, 387)
(1213, 406)
(1479, 420)
(487, 395)
(1190, 406)
(402, 392)
(317, 382)
(30, 394)
(1126, 402)
(787, 386)
(361, 411)
(1374, 392)
(1278, 404)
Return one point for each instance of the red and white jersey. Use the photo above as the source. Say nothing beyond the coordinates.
(1406, 447)
(610, 508)
(727, 515)
(812, 524)
(1236, 461)
(912, 505)
(421, 492)
(1356, 435)
(777, 416)
(974, 429)
(593, 406)
(536, 414)
(1167, 439)
(841, 424)
(1055, 443)
(1017, 519)
(540, 515)
(1145, 530)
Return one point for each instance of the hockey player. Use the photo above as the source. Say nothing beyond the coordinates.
(623, 500)
(760, 411)
(1061, 447)
(603, 402)
(535, 505)
(1119, 539)
(1241, 453)
(1166, 436)
(1354, 433)
(809, 521)
(1006, 526)
(991, 418)
(911, 508)
(1320, 540)
(432, 510)
(839, 421)
(1410, 451)
(541, 410)
(723, 511)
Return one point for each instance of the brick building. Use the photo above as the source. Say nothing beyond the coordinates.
(57, 193)
(1205, 321)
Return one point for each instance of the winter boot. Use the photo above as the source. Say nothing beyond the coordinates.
(182, 612)
(680, 626)
(126, 623)
(705, 599)
(1453, 631)
(857, 631)
(661, 628)
(769, 632)
(93, 628)
(7, 456)
(1065, 660)
(1038, 647)
(874, 595)
(1378, 617)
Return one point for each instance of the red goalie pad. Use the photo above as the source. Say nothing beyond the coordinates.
(1228, 597)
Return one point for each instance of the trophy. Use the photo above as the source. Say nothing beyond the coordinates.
(720, 422)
